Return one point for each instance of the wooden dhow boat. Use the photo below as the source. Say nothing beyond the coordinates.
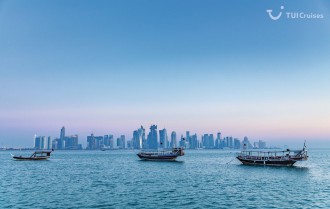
(161, 155)
(275, 158)
(37, 155)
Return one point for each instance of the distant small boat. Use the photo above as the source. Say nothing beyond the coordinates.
(275, 158)
(161, 155)
(37, 155)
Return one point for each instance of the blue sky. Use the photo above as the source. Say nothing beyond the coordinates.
(203, 66)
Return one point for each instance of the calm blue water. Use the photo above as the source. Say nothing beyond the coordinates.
(201, 179)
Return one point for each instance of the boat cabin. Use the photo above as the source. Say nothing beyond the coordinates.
(38, 154)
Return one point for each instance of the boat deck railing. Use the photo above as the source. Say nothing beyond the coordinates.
(162, 151)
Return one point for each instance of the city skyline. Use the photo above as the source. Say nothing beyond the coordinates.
(139, 141)
(212, 66)
(154, 139)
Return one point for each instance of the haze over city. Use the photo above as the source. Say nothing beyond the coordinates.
(113, 66)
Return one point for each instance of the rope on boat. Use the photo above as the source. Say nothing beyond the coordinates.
(231, 161)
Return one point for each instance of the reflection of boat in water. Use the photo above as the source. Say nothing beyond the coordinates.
(163, 155)
(276, 158)
(37, 155)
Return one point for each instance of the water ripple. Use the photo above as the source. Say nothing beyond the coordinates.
(202, 179)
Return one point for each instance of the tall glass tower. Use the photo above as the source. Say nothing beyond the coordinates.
(152, 140)
(163, 138)
(173, 139)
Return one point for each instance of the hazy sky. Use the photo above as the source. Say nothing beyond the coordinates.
(203, 66)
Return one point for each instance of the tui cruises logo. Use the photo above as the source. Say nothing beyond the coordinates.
(293, 14)
(269, 11)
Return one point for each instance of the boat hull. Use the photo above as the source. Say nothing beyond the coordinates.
(267, 162)
(156, 158)
(30, 158)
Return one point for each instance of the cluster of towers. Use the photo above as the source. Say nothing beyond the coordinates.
(63, 142)
(153, 140)
(160, 139)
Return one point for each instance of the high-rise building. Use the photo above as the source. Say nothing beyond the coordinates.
(138, 141)
(188, 139)
(230, 142)
(205, 141)
(41, 142)
(152, 139)
(94, 142)
(49, 143)
(224, 142)
(61, 141)
(259, 145)
(211, 141)
(91, 144)
(208, 141)
(54, 143)
(62, 136)
(71, 142)
(121, 143)
(37, 142)
(163, 138)
(218, 141)
(173, 139)
(237, 143)
(108, 141)
(122, 137)
(219, 135)
(262, 144)
(193, 142)
(182, 142)
(246, 143)
(129, 144)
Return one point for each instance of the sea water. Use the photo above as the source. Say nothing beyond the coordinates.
(200, 179)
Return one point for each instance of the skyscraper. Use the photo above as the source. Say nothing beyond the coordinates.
(219, 135)
(237, 143)
(152, 139)
(188, 139)
(205, 141)
(121, 143)
(37, 142)
(94, 142)
(262, 144)
(173, 139)
(42, 142)
(142, 133)
(246, 143)
(62, 136)
(71, 142)
(138, 138)
(90, 142)
(230, 142)
(163, 138)
(108, 141)
(193, 142)
(49, 143)
(218, 141)
(211, 141)
(259, 145)
(182, 142)
(61, 141)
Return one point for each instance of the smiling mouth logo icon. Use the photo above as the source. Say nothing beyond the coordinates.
(269, 11)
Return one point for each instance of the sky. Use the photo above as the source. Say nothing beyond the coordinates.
(203, 66)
